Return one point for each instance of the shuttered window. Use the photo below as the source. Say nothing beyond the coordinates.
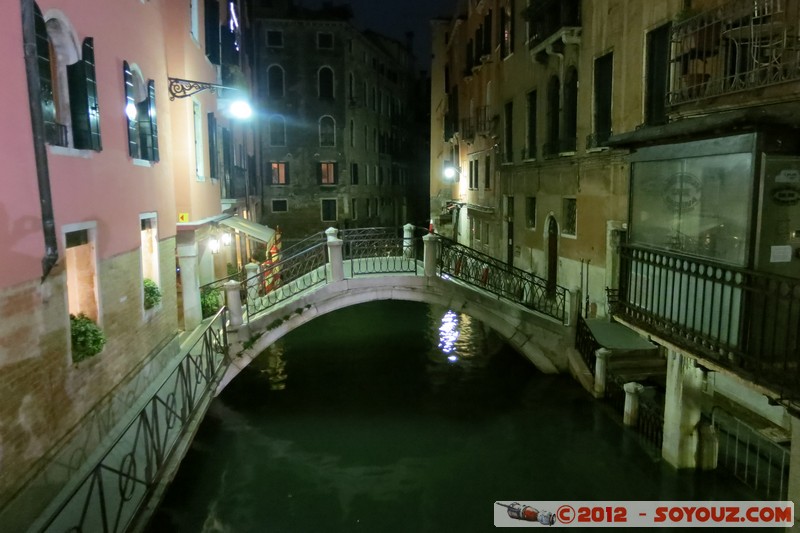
(141, 115)
(83, 99)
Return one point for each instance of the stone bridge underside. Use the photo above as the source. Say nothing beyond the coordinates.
(543, 340)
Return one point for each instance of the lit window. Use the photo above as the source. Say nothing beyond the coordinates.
(79, 243)
(149, 250)
(279, 173)
(327, 173)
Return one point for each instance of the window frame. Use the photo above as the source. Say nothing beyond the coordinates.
(328, 201)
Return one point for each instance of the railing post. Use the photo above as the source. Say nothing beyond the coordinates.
(332, 233)
(431, 243)
(335, 259)
(408, 241)
(632, 392)
(600, 371)
(253, 279)
(233, 298)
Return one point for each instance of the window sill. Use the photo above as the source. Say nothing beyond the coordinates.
(142, 162)
(69, 152)
(570, 235)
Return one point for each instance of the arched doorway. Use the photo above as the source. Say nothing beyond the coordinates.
(552, 254)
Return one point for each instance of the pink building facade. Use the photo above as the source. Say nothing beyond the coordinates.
(123, 190)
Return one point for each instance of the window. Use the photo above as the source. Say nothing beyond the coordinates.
(354, 209)
(68, 84)
(352, 134)
(472, 178)
(275, 82)
(488, 173)
(280, 206)
(530, 212)
(507, 29)
(328, 208)
(530, 149)
(277, 131)
(140, 110)
(369, 177)
(656, 76)
(324, 41)
(274, 39)
(508, 139)
(194, 28)
(375, 145)
(325, 82)
(569, 142)
(327, 173)
(214, 148)
(351, 84)
(212, 33)
(603, 75)
(278, 172)
(366, 138)
(327, 131)
(553, 118)
(149, 249)
(80, 260)
(570, 214)
(198, 141)
(354, 174)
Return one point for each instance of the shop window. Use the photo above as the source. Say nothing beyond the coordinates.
(81, 270)
(149, 249)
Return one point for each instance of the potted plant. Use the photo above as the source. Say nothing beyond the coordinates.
(87, 337)
(152, 294)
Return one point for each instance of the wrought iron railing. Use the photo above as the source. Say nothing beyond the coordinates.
(111, 493)
(743, 320)
(754, 459)
(546, 17)
(650, 421)
(586, 344)
(286, 278)
(497, 277)
(741, 45)
(379, 250)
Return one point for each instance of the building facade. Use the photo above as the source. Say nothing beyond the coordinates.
(649, 148)
(110, 210)
(336, 137)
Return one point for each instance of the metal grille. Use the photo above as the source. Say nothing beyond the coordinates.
(586, 344)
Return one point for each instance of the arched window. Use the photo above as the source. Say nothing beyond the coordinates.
(327, 131)
(68, 82)
(275, 81)
(570, 111)
(277, 131)
(352, 133)
(352, 87)
(140, 109)
(325, 81)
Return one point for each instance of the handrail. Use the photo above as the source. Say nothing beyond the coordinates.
(491, 274)
(112, 488)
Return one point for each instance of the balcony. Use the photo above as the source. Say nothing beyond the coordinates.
(742, 320)
(468, 129)
(740, 46)
(549, 18)
(485, 121)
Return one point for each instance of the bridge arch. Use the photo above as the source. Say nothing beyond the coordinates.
(542, 340)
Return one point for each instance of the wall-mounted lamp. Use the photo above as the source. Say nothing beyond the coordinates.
(450, 172)
(213, 245)
(226, 239)
(180, 88)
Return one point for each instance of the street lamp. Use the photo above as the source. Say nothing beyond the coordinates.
(451, 171)
(180, 88)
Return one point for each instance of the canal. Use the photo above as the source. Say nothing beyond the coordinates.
(399, 416)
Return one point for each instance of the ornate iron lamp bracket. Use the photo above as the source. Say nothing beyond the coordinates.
(180, 88)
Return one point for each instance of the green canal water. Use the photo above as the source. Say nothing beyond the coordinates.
(389, 422)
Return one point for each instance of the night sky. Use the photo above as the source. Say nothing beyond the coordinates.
(395, 17)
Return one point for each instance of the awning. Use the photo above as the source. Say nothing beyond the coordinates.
(250, 228)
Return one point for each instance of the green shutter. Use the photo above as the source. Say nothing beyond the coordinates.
(83, 100)
(286, 165)
(45, 78)
(133, 131)
(213, 155)
(319, 173)
(151, 115)
(336, 172)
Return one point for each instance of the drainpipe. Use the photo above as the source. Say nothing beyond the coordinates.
(37, 125)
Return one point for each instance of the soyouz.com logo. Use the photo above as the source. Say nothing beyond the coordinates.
(644, 514)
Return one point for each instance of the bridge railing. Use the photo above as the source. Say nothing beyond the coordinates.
(286, 278)
(497, 277)
(112, 490)
(379, 250)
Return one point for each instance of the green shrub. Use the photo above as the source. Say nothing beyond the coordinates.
(152, 294)
(87, 337)
(209, 301)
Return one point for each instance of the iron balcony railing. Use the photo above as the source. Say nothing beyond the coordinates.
(743, 320)
(109, 496)
(547, 17)
(497, 277)
(740, 45)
